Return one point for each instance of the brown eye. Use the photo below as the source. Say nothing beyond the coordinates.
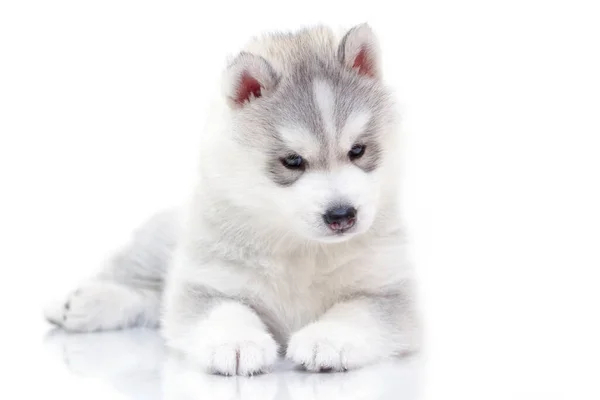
(357, 151)
(293, 161)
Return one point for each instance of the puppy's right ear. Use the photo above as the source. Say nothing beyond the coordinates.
(248, 77)
(359, 51)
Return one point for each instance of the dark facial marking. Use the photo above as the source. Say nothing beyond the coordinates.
(294, 104)
(370, 158)
(357, 151)
(294, 161)
(281, 174)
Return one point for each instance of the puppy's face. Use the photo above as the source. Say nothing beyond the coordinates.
(317, 138)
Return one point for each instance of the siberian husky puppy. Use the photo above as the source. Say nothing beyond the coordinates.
(292, 242)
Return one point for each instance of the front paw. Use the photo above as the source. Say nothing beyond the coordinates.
(247, 351)
(327, 346)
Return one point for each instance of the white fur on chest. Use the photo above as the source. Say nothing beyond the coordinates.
(293, 291)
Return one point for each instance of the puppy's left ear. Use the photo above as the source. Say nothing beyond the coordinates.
(247, 78)
(359, 50)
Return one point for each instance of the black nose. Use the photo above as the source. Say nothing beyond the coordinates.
(340, 218)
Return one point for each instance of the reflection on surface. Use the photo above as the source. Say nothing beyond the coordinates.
(136, 364)
(129, 361)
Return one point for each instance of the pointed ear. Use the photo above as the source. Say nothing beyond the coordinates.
(359, 50)
(248, 77)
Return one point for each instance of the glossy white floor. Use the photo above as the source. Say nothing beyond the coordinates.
(134, 365)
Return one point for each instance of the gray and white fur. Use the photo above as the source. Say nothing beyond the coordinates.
(263, 261)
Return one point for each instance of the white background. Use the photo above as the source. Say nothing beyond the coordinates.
(102, 104)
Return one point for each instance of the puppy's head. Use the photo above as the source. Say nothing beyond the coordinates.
(310, 125)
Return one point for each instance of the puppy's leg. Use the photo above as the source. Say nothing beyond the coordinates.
(128, 290)
(355, 333)
(219, 334)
